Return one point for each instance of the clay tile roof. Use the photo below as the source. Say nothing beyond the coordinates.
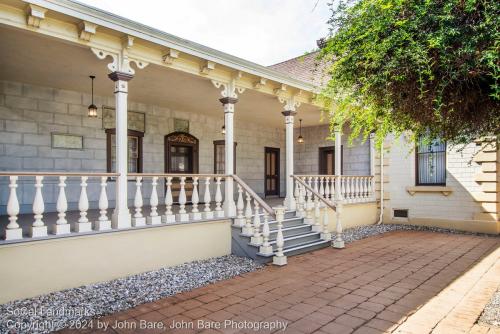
(305, 68)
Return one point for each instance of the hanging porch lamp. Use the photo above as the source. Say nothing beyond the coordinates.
(92, 110)
(300, 139)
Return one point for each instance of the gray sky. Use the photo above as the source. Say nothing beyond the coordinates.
(262, 31)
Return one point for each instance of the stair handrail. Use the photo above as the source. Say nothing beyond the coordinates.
(315, 193)
(252, 193)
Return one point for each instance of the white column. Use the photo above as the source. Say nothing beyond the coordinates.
(338, 242)
(121, 216)
(229, 205)
(289, 119)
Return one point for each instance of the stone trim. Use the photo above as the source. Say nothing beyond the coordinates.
(429, 189)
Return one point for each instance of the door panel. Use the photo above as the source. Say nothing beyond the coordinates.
(272, 171)
(327, 160)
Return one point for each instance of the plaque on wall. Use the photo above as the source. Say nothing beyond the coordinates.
(135, 120)
(68, 141)
(181, 125)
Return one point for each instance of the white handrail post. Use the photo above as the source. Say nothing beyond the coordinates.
(61, 226)
(239, 221)
(309, 204)
(325, 233)
(168, 217)
(247, 230)
(256, 238)
(339, 241)
(103, 223)
(138, 218)
(317, 215)
(38, 229)
(279, 258)
(219, 213)
(153, 218)
(13, 230)
(300, 201)
(83, 224)
(207, 211)
(266, 248)
(195, 213)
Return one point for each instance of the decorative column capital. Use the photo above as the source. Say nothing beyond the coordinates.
(228, 100)
(120, 76)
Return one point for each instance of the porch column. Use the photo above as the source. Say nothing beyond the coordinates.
(121, 216)
(228, 103)
(338, 163)
(289, 119)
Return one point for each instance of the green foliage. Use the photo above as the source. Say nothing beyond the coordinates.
(430, 67)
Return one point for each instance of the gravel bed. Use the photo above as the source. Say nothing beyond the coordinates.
(491, 313)
(65, 308)
(361, 232)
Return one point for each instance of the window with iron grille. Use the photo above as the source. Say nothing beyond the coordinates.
(430, 162)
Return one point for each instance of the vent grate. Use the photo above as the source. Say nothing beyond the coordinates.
(400, 213)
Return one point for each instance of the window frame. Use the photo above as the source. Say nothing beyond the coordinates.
(417, 170)
(223, 143)
(131, 133)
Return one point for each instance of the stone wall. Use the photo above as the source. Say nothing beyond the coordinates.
(356, 156)
(29, 114)
(461, 171)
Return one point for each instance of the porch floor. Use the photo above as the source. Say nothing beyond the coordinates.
(376, 285)
(26, 220)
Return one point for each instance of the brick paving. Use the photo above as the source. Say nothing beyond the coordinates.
(371, 286)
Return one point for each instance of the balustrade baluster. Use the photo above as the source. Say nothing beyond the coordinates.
(153, 218)
(317, 224)
(365, 188)
(247, 230)
(321, 186)
(61, 226)
(138, 219)
(325, 233)
(219, 213)
(301, 202)
(266, 248)
(13, 230)
(280, 259)
(371, 188)
(38, 229)
(195, 213)
(342, 188)
(207, 211)
(83, 224)
(182, 216)
(169, 216)
(257, 237)
(339, 241)
(309, 204)
(356, 190)
(327, 188)
(315, 188)
(103, 223)
(240, 206)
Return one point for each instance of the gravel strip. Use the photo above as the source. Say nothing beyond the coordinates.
(361, 232)
(491, 313)
(61, 309)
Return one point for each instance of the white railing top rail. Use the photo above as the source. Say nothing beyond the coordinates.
(256, 197)
(314, 192)
(326, 175)
(57, 174)
(174, 175)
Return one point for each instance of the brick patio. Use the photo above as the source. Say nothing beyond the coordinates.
(372, 286)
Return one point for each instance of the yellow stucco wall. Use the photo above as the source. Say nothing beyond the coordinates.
(34, 268)
(354, 215)
(476, 226)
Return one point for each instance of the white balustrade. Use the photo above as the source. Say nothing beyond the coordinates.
(138, 219)
(248, 228)
(279, 258)
(256, 237)
(207, 211)
(219, 213)
(13, 230)
(265, 249)
(61, 226)
(153, 218)
(195, 213)
(327, 188)
(316, 227)
(38, 229)
(325, 233)
(182, 216)
(240, 206)
(103, 223)
(321, 186)
(83, 224)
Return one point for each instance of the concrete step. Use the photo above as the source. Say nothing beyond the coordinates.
(300, 248)
(291, 231)
(297, 239)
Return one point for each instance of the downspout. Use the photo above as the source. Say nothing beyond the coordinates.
(381, 217)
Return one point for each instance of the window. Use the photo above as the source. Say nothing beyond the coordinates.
(134, 151)
(220, 158)
(431, 162)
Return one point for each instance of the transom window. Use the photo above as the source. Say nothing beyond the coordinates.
(220, 157)
(134, 150)
(431, 162)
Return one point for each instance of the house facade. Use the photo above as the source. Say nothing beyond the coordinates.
(174, 152)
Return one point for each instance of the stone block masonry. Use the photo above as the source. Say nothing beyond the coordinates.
(29, 113)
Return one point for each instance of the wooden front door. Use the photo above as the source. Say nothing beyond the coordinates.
(327, 160)
(272, 171)
(181, 157)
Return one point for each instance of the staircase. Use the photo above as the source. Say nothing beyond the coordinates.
(299, 239)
